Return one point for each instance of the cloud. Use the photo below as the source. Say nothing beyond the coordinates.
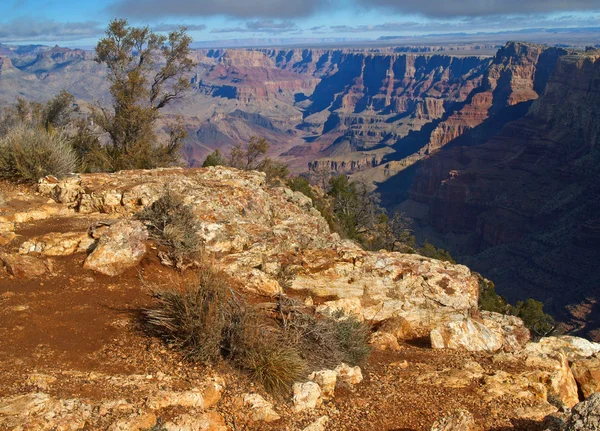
(467, 24)
(474, 8)
(175, 27)
(261, 26)
(282, 9)
(27, 30)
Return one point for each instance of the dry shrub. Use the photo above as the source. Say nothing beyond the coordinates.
(30, 153)
(275, 367)
(194, 315)
(328, 340)
(260, 349)
(207, 320)
(352, 337)
(172, 224)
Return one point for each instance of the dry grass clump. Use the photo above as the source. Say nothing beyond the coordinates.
(328, 340)
(30, 153)
(209, 321)
(259, 349)
(172, 224)
(194, 315)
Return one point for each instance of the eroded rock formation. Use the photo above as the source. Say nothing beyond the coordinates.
(522, 207)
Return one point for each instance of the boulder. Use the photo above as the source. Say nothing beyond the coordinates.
(555, 373)
(574, 347)
(66, 191)
(202, 397)
(260, 409)
(424, 292)
(349, 306)
(40, 411)
(514, 333)
(122, 247)
(382, 341)
(501, 383)
(307, 396)
(7, 232)
(587, 375)
(460, 420)
(468, 334)
(24, 266)
(490, 333)
(585, 416)
(399, 327)
(326, 379)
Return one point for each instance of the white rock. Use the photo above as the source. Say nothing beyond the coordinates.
(467, 334)
(210, 421)
(307, 396)
(348, 376)
(326, 379)
(260, 409)
(574, 347)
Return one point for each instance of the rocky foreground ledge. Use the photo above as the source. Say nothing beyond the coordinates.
(78, 269)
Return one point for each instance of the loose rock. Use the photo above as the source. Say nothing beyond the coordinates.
(122, 247)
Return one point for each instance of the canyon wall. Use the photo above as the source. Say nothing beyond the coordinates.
(522, 207)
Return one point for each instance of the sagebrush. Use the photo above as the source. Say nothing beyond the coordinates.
(29, 153)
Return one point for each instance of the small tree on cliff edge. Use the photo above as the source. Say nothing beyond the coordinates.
(147, 72)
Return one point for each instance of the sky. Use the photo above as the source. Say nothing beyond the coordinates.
(82, 22)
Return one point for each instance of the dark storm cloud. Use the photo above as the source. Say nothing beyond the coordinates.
(175, 27)
(148, 9)
(260, 26)
(459, 8)
(24, 30)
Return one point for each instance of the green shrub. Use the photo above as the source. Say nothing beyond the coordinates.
(207, 321)
(429, 250)
(301, 184)
(28, 153)
(195, 315)
(353, 338)
(532, 314)
(489, 300)
(215, 159)
(172, 223)
(276, 171)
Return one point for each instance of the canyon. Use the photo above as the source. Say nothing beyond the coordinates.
(522, 206)
(494, 157)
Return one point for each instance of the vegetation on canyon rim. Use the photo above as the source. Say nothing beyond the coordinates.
(208, 320)
(146, 71)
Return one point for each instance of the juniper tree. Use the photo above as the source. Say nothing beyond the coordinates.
(147, 72)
